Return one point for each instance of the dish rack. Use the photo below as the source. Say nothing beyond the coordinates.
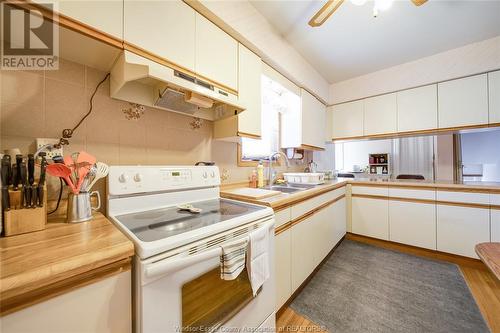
(313, 178)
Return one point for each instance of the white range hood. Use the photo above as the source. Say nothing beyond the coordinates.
(139, 80)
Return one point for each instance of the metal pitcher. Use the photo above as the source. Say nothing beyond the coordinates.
(80, 207)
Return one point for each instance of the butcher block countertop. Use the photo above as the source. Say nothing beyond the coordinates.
(40, 265)
(284, 200)
(490, 255)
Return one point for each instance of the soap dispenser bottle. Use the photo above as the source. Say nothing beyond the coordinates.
(260, 175)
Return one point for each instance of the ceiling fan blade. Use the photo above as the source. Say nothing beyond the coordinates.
(418, 2)
(325, 12)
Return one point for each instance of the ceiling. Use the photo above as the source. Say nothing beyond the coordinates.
(352, 42)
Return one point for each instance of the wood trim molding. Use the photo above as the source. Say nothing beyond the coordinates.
(429, 187)
(282, 228)
(309, 147)
(369, 185)
(463, 204)
(414, 133)
(462, 189)
(370, 196)
(495, 207)
(69, 23)
(12, 304)
(249, 135)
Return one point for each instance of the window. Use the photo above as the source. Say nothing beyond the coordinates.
(276, 101)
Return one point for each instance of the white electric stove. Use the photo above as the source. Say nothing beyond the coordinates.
(177, 285)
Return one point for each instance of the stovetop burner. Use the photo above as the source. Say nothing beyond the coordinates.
(166, 222)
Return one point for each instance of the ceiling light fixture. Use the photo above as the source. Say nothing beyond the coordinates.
(358, 2)
(383, 5)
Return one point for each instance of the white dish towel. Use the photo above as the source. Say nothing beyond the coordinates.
(258, 258)
(232, 260)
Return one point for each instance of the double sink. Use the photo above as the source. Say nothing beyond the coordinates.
(290, 188)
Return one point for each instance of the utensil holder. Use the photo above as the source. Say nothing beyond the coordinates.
(20, 220)
(80, 207)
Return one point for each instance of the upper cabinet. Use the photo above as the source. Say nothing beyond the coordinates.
(347, 119)
(313, 120)
(105, 15)
(494, 96)
(249, 92)
(463, 102)
(216, 53)
(417, 109)
(164, 28)
(380, 115)
(305, 128)
(248, 123)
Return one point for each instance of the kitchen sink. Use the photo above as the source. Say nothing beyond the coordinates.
(290, 188)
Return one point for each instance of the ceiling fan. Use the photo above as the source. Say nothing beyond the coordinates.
(331, 6)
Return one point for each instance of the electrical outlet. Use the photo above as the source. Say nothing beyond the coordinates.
(40, 142)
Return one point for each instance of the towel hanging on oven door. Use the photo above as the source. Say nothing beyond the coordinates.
(232, 260)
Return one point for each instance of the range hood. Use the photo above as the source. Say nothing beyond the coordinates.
(139, 80)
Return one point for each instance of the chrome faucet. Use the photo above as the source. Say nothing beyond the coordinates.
(270, 168)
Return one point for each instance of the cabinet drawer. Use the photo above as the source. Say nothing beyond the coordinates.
(463, 197)
(310, 204)
(281, 217)
(371, 190)
(412, 194)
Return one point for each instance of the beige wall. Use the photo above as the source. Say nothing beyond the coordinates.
(466, 60)
(40, 104)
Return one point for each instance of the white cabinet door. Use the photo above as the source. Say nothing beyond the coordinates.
(283, 245)
(495, 225)
(324, 234)
(459, 229)
(370, 217)
(164, 28)
(413, 223)
(417, 109)
(216, 53)
(339, 220)
(312, 120)
(347, 120)
(380, 115)
(303, 250)
(249, 91)
(463, 102)
(104, 15)
(494, 96)
(101, 307)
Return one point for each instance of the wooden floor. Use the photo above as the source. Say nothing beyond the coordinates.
(483, 284)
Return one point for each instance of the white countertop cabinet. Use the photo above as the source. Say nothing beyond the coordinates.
(463, 102)
(495, 217)
(370, 215)
(283, 244)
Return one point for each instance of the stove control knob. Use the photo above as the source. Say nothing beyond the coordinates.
(137, 177)
(205, 175)
(213, 174)
(123, 178)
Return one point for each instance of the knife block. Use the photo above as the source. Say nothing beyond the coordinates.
(19, 220)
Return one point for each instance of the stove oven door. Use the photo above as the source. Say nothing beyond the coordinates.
(186, 294)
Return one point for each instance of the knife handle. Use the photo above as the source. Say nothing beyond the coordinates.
(19, 161)
(31, 169)
(40, 193)
(34, 197)
(5, 198)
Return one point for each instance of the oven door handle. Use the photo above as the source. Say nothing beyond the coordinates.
(169, 266)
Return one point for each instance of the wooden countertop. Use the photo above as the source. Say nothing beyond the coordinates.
(40, 265)
(284, 200)
(490, 255)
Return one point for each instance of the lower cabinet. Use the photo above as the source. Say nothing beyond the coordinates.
(300, 248)
(495, 225)
(459, 229)
(413, 223)
(283, 247)
(103, 306)
(303, 250)
(370, 217)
